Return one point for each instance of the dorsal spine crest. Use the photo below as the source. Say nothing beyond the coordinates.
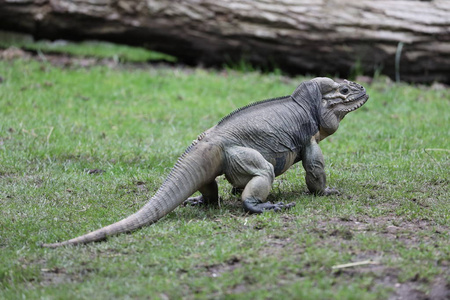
(249, 106)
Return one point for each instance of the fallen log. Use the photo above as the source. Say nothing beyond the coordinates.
(407, 38)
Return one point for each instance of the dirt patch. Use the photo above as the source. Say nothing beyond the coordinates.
(411, 233)
(412, 290)
(407, 291)
(54, 276)
(440, 290)
(64, 60)
(13, 53)
(391, 227)
(216, 270)
(337, 231)
(61, 60)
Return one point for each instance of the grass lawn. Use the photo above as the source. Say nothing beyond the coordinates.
(81, 148)
(92, 49)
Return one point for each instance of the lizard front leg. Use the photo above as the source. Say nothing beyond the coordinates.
(314, 166)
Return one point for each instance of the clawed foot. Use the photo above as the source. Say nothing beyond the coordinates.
(201, 201)
(254, 206)
(326, 192)
(194, 201)
(330, 191)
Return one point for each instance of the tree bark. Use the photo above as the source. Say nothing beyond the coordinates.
(327, 37)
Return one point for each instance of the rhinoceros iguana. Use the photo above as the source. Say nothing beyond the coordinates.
(251, 146)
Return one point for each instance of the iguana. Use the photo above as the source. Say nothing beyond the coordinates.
(251, 146)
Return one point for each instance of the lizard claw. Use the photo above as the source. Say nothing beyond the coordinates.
(331, 191)
(194, 201)
(256, 207)
(280, 206)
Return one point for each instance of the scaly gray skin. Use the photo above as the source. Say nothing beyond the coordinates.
(251, 146)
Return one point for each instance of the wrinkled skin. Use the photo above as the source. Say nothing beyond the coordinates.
(251, 146)
(253, 165)
(337, 101)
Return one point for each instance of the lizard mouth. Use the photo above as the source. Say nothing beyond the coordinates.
(350, 105)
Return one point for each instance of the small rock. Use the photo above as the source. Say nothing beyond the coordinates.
(437, 86)
(12, 53)
(95, 171)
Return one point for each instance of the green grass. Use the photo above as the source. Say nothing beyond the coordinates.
(389, 159)
(96, 49)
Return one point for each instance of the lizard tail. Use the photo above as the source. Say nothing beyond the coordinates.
(199, 165)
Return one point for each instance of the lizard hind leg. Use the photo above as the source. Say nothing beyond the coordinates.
(209, 195)
(255, 195)
(247, 168)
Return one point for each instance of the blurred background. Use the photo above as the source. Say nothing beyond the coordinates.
(407, 40)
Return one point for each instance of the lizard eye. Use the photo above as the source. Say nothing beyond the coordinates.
(344, 91)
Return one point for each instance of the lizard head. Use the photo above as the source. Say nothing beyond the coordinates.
(338, 99)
